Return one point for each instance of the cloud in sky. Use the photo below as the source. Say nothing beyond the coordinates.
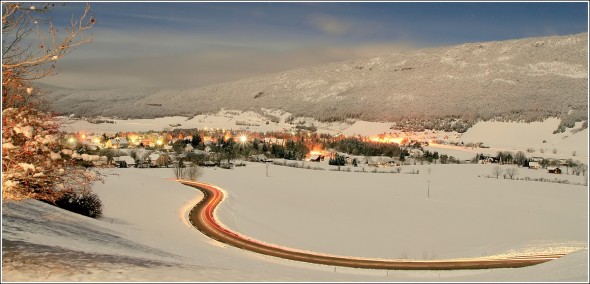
(195, 44)
(211, 62)
(330, 25)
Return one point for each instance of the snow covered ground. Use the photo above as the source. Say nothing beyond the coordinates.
(225, 119)
(535, 135)
(144, 234)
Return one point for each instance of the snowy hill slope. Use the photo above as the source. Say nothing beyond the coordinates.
(518, 79)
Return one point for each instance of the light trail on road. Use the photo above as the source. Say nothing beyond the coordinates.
(201, 216)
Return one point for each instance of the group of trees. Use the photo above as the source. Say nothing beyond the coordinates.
(337, 160)
(32, 163)
(355, 146)
(183, 171)
(508, 173)
(291, 150)
(450, 123)
(569, 120)
(229, 149)
(196, 141)
(431, 156)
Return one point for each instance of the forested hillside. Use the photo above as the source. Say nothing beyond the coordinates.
(524, 80)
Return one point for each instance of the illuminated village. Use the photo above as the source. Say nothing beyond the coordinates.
(210, 145)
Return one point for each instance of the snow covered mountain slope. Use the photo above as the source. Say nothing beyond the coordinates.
(524, 79)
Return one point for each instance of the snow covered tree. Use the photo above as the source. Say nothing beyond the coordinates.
(33, 165)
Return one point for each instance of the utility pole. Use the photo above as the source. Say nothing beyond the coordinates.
(429, 170)
(266, 168)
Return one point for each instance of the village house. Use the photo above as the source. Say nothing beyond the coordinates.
(554, 170)
(534, 165)
(487, 160)
(258, 158)
(117, 143)
(128, 161)
(381, 161)
(159, 159)
(147, 143)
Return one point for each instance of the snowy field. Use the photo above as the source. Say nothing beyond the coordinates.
(144, 234)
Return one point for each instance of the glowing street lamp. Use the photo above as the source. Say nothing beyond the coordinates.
(243, 138)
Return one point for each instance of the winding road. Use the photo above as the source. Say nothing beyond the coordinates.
(201, 216)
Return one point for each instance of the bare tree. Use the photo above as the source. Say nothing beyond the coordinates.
(512, 172)
(178, 169)
(32, 161)
(519, 158)
(21, 61)
(497, 171)
(583, 169)
(192, 172)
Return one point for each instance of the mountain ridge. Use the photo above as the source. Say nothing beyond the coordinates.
(519, 79)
